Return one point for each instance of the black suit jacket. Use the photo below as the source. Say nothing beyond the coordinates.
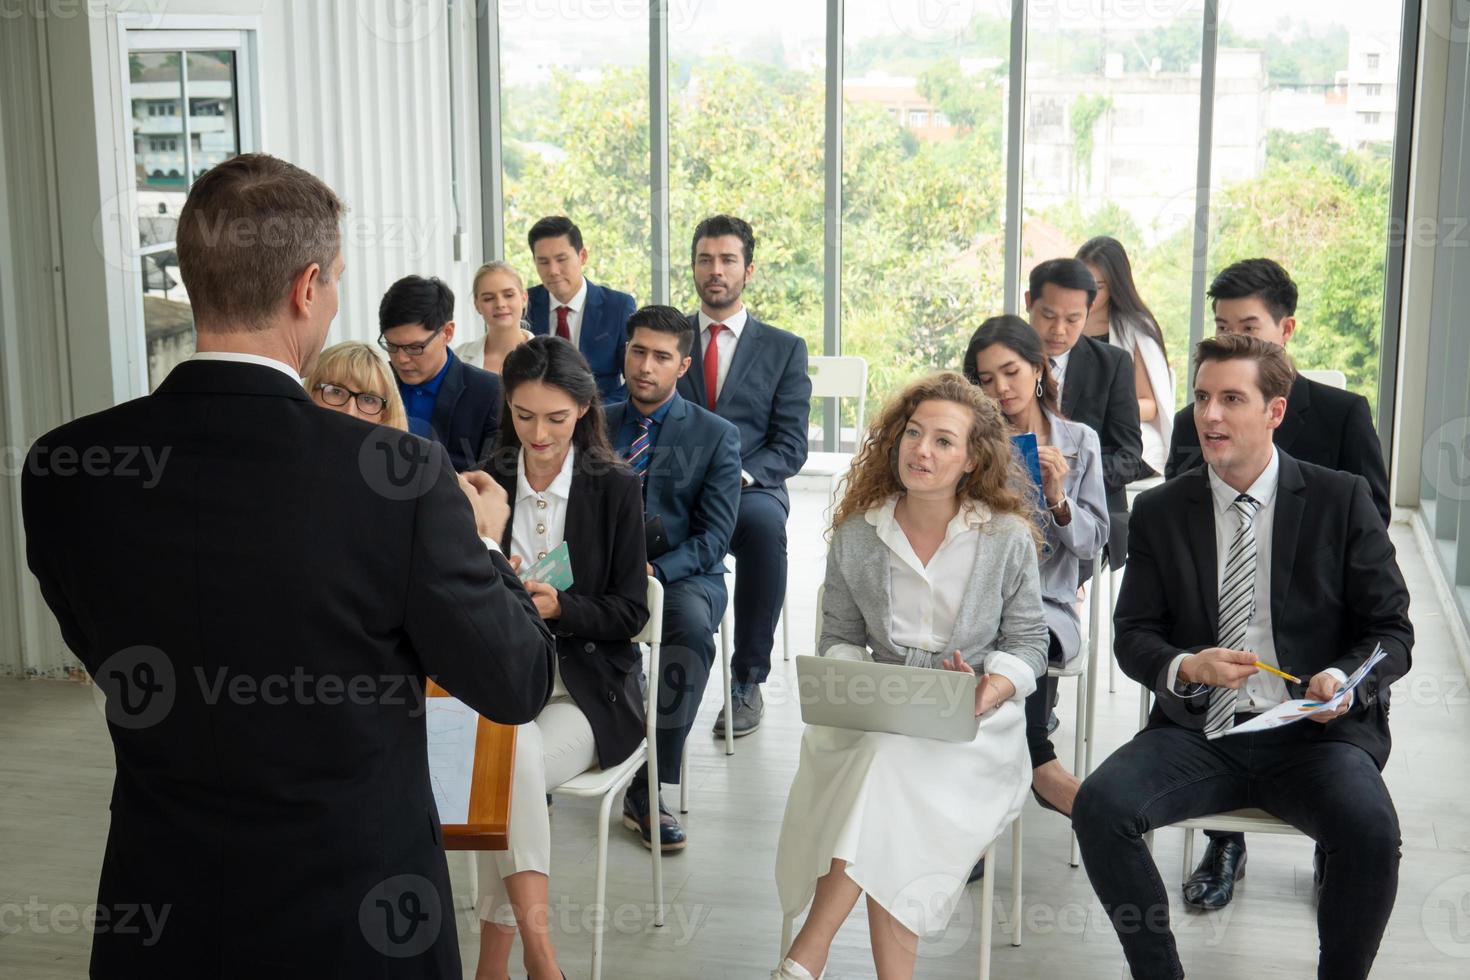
(607, 603)
(1322, 425)
(1336, 593)
(1099, 391)
(693, 486)
(467, 413)
(262, 613)
(767, 395)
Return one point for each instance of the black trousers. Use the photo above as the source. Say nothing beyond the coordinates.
(1039, 705)
(759, 547)
(692, 610)
(1331, 791)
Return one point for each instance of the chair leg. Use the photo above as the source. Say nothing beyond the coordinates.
(726, 642)
(987, 911)
(474, 877)
(1188, 853)
(1080, 748)
(599, 908)
(1016, 882)
(684, 781)
(785, 628)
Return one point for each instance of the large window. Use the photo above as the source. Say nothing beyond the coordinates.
(924, 183)
(1304, 123)
(574, 111)
(170, 149)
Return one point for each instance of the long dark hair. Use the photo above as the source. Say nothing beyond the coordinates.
(1108, 255)
(1015, 334)
(554, 362)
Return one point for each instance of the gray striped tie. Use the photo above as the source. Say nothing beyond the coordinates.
(1237, 605)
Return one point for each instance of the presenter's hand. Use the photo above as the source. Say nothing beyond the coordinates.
(1321, 687)
(492, 509)
(547, 599)
(1218, 667)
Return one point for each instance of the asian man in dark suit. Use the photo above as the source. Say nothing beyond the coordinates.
(755, 376)
(453, 403)
(1253, 558)
(1096, 381)
(689, 462)
(1322, 425)
(569, 305)
(262, 612)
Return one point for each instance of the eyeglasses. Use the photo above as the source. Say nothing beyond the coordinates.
(367, 402)
(412, 350)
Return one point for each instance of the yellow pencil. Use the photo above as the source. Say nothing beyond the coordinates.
(1279, 673)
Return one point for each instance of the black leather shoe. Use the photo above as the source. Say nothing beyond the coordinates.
(977, 872)
(1319, 872)
(636, 818)
(1052, 724)
(1212, 885)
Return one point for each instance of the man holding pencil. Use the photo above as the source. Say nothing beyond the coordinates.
(1252, 580)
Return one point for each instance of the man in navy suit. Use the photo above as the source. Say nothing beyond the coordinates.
(447, 400)
(689, 461)
(570, 305)
(755, 376)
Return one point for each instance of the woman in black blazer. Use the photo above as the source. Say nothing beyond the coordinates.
(565, 483)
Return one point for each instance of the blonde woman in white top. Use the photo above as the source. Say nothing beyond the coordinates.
(1119, 316)
(500, 299)
(933, 563)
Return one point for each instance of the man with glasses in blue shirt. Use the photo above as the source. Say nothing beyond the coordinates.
(451, 402)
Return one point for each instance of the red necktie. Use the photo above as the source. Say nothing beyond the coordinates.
(562, 330)
(712, 365)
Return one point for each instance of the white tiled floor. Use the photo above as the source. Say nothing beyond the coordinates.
(722, 920)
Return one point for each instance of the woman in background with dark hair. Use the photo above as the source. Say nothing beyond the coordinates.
(565, 483)
(1006, 361)
(1120, 317)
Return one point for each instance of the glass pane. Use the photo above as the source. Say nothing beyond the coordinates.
(168, 322)
(924, 183)
(156, 89)
(574, 127)
(214, 133)
(746, 129)
(1112, 145)
(1304, 123)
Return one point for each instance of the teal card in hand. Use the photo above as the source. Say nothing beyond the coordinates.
(555, 569)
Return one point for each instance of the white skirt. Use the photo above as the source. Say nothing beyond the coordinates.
(909, 815)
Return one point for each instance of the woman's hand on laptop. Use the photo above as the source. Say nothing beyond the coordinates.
(990, 689)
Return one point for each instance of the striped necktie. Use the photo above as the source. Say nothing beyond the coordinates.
(1237, 605)
(638, 451)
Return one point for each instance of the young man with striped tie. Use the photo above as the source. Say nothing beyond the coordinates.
(1253, 558)
(689, 461)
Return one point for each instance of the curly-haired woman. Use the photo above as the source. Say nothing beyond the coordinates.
(933, 563)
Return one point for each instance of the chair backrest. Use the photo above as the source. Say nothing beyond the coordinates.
(653, 630)
(1333, 379)
(839, 378)
(652, 634)
(817, 644)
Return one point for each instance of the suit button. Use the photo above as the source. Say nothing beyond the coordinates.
(590, 648)
(612, 696)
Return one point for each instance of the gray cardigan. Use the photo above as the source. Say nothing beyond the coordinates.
(1001, 611)
(1070, 546)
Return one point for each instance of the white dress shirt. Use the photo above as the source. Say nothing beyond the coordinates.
(1059, 371)
(725, 345)
(239, 358)
(924, 600)
(1261, 690)
(539, 522)
(574, 306)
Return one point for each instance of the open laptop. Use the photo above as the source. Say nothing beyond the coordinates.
(873, 697)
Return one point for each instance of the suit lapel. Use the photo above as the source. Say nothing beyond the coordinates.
(745, 353)
(507, 483)
(1200, 522)
(695, 374)
(1077, 372)
(665, 449)
(591, 318)
(1290, 503)
(581, 524)
(1298, 407)
(449, 391)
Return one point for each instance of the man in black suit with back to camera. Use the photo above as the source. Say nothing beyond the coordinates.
(262, 615)
(453, 403)
(1253, 558)
(754, 375)
(1322, 425)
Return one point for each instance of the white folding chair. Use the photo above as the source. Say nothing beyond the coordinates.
(607, 783)
(727, 633)
(1327, 376)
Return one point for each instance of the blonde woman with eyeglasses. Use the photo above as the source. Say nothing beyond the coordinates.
(352, 379)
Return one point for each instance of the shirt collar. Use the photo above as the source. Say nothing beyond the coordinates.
(658, 414)
(430, 387)
(1263, 491)
(576, 302)
(560, 488)
(971, 514)
(735, 324)
(1062, 360)
(241, 358)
